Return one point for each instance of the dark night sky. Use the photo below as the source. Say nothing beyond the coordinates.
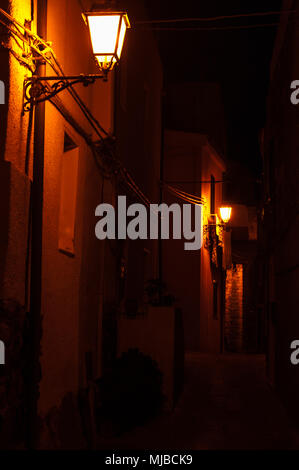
(239, 60)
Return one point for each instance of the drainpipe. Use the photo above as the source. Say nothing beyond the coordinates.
(34, 321)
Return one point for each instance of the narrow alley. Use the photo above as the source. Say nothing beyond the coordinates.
(149, 261)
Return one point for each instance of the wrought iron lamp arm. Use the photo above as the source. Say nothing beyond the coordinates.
(40, 89)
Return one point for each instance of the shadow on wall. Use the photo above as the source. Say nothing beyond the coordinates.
(5, 171)
(5, 211)
(12, 376)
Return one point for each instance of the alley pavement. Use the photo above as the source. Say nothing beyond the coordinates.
(226, 404)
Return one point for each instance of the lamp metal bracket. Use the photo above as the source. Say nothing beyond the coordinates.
(40, 89)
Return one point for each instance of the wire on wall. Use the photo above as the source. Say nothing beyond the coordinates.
(216, 28)
(188, 197)
(44, 50)
(112, 166)
(216, 18)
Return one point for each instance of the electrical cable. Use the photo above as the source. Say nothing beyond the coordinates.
(190, 201)
(183, 193)
(80, 100)
(15, 33)
(134, 186)
(91, 119)
(56, 102)
(194, 182)
(216, 18)
(18, 57)
(27, 31)
(126, 177)
(85, 110)
(216, 28)
(186, 198)
(191, 198)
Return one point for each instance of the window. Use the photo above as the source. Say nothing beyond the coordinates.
(68, 196)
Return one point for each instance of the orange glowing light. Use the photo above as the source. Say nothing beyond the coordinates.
(225, 213)
(107, 33)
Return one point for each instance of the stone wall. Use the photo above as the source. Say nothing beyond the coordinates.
(241, 322)
(233, 320)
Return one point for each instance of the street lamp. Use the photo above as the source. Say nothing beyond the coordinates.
(107, 33)
(214, 231)
(225, 213)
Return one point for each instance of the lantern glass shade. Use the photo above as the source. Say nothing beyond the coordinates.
(107, 33)
(225, 213)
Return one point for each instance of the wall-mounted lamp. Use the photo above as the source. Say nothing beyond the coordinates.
(214, 232)
(225, 214)
(107, 32)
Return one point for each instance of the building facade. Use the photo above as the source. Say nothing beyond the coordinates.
(280, 210)
(196, 278)
(61, 285)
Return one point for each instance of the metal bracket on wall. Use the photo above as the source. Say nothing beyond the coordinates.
(40, 89)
